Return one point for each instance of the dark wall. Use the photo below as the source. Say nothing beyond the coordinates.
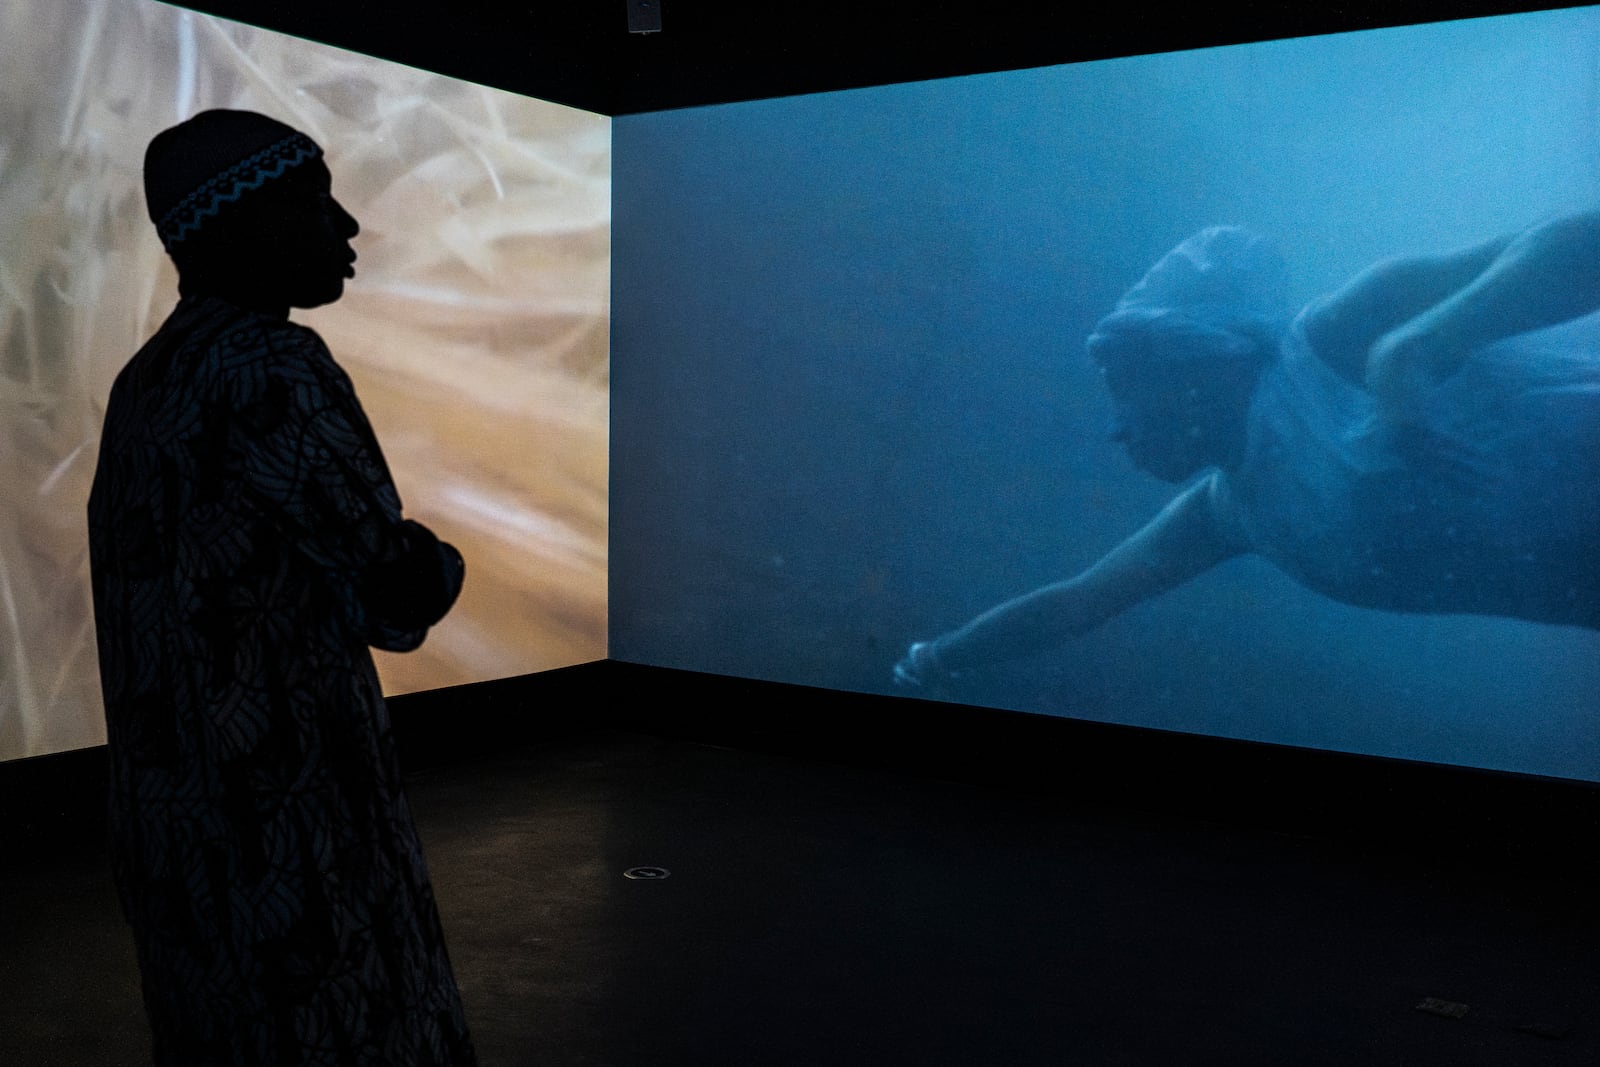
(580, 52)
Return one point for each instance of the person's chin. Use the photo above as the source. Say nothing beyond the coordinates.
(320, 296)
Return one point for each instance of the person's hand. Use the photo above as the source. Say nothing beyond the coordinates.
(920, 671)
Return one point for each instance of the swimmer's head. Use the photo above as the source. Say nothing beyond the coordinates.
(1219, 267)
(1219, 297)
(1183, 350)
(1178, 416)
(1184, 338)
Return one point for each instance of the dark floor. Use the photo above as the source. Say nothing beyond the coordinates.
(820, 915)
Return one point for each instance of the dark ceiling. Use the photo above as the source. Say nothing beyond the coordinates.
(580, 52)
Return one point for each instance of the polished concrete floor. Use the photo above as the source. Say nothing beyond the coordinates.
(815, 914)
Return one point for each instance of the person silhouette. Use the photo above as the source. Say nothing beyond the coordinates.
(1424, 439)
(247, 546)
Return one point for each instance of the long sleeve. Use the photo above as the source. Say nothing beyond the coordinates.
(313, 467)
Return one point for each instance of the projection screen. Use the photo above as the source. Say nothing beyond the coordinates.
(476, 332)
(853, 407)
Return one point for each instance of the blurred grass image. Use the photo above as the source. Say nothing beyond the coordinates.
(475, 330)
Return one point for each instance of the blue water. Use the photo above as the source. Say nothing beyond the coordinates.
(851, 406)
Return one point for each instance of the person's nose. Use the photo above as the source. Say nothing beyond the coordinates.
(346, 222)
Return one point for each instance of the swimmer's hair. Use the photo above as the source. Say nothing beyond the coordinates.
(1182, 337)
(1217, 296)
(1221, 267)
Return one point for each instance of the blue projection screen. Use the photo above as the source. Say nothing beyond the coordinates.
(852, 406)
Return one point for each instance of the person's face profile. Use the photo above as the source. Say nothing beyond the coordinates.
(293, 237)
(307, 235)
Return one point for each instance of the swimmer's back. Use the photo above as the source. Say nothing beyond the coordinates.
(1493, 507)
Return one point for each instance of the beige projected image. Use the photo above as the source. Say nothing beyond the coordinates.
(475, 329)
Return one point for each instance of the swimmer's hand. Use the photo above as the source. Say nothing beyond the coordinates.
(920, 670)
(1403, 367)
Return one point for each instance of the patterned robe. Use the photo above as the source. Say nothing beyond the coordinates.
(247, 546)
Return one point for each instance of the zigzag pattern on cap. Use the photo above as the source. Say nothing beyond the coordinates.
(250, 173)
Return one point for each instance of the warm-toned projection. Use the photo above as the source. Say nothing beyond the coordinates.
(476, 332)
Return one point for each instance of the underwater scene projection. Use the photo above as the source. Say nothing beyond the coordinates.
(476, 330)
(1267, 377)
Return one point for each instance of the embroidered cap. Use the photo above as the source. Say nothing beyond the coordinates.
(214, 158)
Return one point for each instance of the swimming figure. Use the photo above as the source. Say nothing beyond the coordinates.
(1424, 439)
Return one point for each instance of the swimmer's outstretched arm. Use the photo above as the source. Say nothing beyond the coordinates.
(1189, 536)
(1545, 275)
